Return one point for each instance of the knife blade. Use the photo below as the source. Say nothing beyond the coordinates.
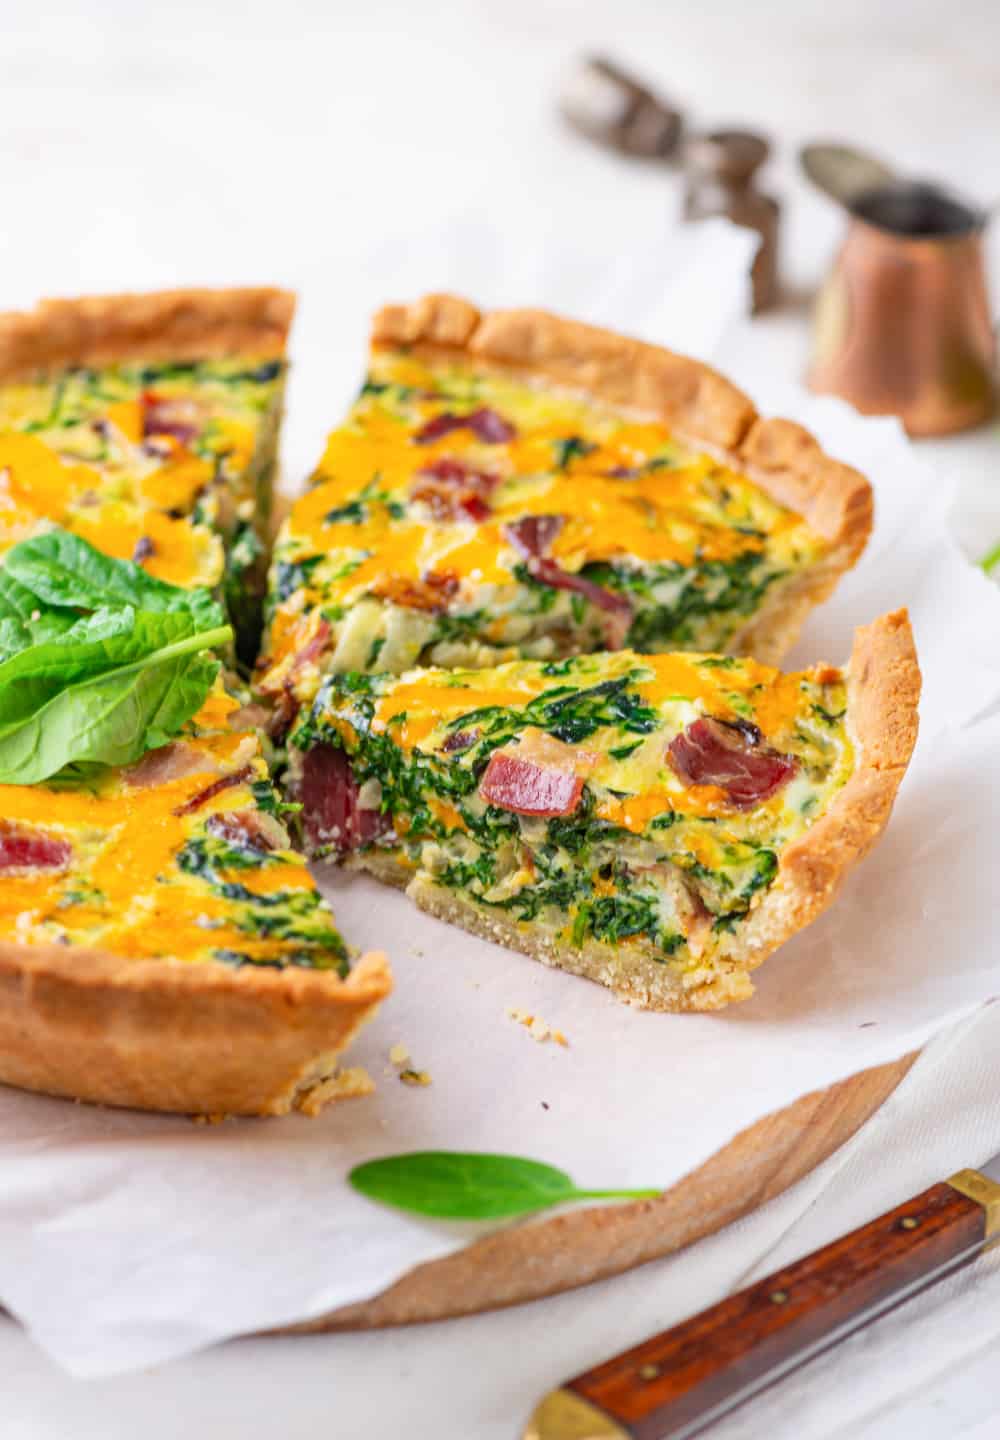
(680, 1382)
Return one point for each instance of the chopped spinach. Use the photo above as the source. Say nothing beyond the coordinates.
(566, 450)
(292, 575)
(677, 606)
(357, 510)
(292, 914)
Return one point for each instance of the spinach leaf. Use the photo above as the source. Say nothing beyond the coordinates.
(23, 619)
(67, 572)
(16, 603)
(58, 711)
(182, 698)
(97, 643)
(456, 1185)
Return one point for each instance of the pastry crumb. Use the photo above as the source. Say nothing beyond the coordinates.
(415, 1077)
(399, 1054)
(536, 1027)
(207, 1119)
(349, 1084)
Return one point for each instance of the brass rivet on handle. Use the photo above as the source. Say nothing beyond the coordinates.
(649, 1372)
(908, 1223)
(778, 1297)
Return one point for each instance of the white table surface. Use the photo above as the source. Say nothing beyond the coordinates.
(297, 141)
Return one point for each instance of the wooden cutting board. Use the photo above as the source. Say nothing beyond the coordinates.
(544, 1257)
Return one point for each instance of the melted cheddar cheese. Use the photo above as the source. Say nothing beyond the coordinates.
(642, 851)
(402, 543)
(181, 857)
(166, 464)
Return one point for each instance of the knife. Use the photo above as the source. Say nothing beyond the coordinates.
(687, 1378)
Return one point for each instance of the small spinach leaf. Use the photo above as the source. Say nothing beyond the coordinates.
(456, 1185)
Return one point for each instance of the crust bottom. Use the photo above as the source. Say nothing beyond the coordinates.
(633, 972)
(192, 1039)
(883, 690)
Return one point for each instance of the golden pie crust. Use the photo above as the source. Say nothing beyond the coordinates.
(166, 325)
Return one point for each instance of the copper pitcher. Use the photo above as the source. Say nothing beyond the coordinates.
(903, 322)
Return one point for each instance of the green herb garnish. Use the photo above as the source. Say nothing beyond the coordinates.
(65, 572)
(136, 699)
(99, 662)
(456, 1185)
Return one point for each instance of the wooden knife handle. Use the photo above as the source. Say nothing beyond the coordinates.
(663, 1387)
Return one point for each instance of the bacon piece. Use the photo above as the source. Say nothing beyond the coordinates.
(315, 647)
(537, 775)
(487, 426)
(513, 783)
(225, 782)
(531, 536)
(286, 708)
(490, 428)
(165, 415)
(250, 717)
(169, 762)
(460, 740)
(617, 608)
(432, 592)
(279, 681)
(475, 508)
(24, 849)
(247, 830)
(731, 756)
(453, 491)
(454, 472)
(331, 814)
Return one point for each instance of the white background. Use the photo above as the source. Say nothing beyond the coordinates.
(307, 144)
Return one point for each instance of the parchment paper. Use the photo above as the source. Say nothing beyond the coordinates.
(128, 1239)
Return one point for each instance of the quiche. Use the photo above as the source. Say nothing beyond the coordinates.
(160, 944)
(656, 822)
(515, 485)
(148, 424)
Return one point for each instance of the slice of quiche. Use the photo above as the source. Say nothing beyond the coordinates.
(148, 424)
(518, 485)
(659, 823)
(162, 947)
